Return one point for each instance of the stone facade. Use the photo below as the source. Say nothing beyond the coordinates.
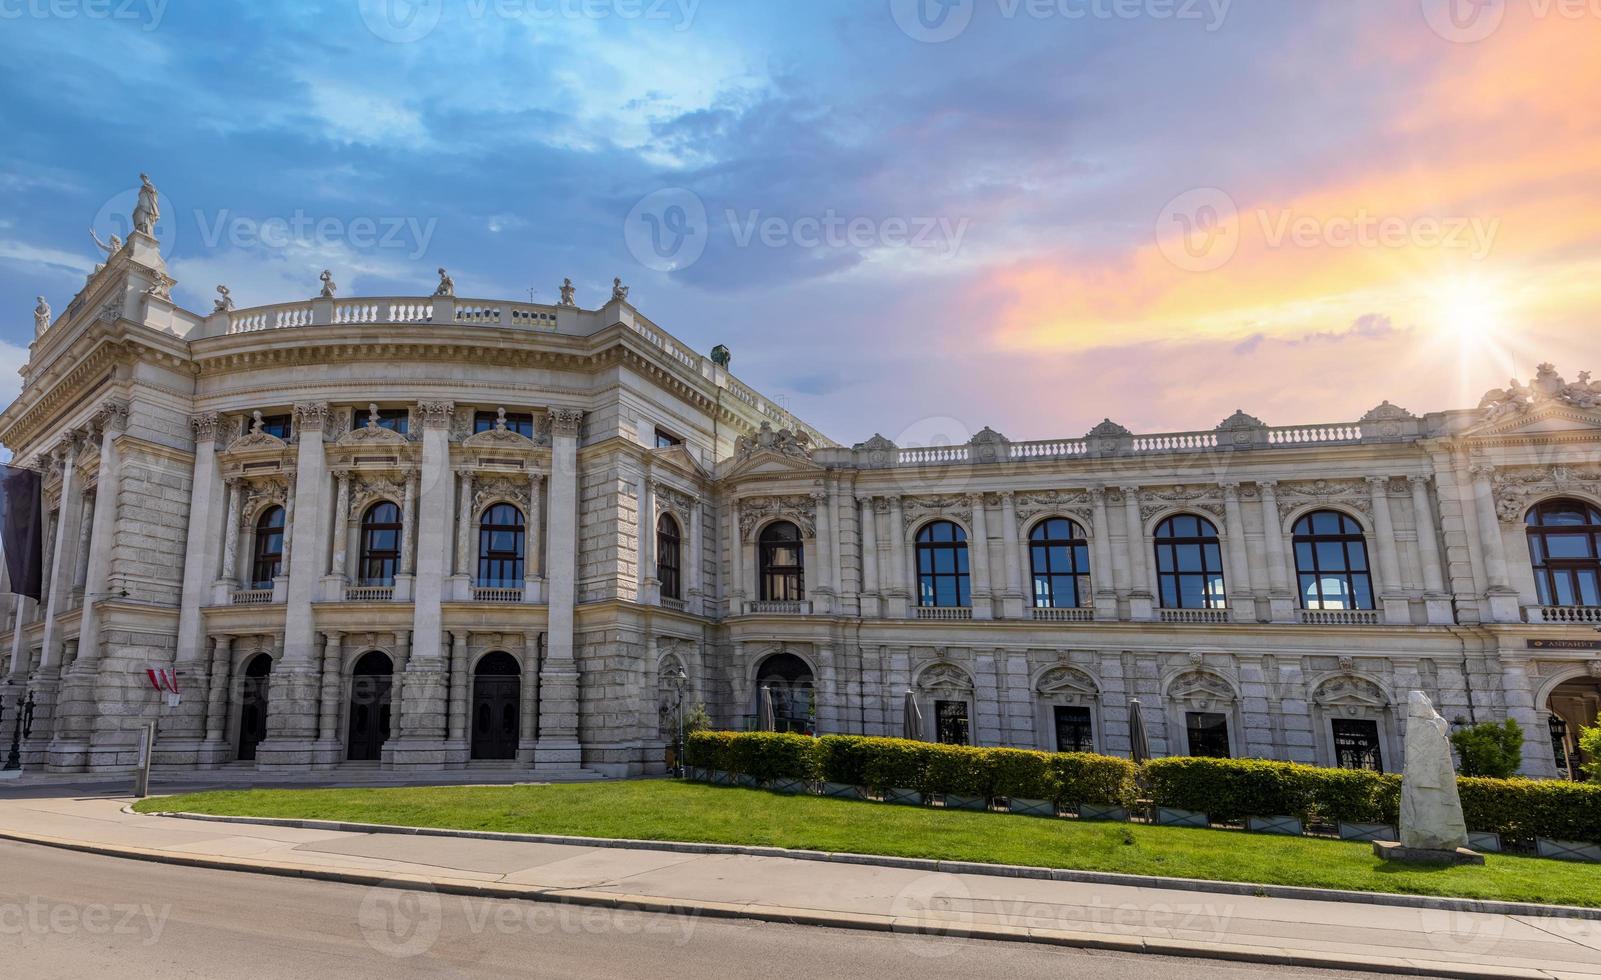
(170, 439)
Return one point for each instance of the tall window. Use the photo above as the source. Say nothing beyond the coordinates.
(1356, 744)
(269, 548)
(273, 425)
(781, 560)
(397, 420)
(521, 423)
(1074, 732)
(1208, 733)
(950, 722)
(380, 544)
(1060, 559)
(1331, 562)
(1565, 547)
(1189, 563)
(942, 575)
(500, 548)
(668, 550)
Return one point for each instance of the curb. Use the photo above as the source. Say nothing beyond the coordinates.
(1242, 889)
(1265, 955)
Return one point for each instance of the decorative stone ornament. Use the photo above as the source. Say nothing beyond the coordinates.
(567, 290)
(619, 292)
(147, 212)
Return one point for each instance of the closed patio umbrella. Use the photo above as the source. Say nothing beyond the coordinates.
(912, 719)
(768, 719)
(1139, 745)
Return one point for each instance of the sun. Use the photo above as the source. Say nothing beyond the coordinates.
(1472, 313)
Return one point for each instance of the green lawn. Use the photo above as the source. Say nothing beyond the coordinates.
(661, 810)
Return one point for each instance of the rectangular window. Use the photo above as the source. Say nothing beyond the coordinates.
(1356, 745)
(1073, 732)
(1209, 734)
(666, 440)
(521, 423)
(951, 722)
(273, 425)
(396, 420)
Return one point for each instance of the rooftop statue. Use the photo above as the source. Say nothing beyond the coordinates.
(329, 287)
(224, 301)
(148, 211)
(41, 317)
(1547, 387)
(110, 248)
(618, 290)
(447, 285)
(567, 290)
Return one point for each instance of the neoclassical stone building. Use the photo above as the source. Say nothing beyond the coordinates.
(436, 532)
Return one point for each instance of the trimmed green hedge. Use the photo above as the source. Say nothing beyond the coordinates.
(1227, 790)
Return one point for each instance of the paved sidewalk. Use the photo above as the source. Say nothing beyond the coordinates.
(1290, 931)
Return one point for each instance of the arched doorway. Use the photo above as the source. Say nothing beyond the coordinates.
(790, 680)
(253, 706)
(497, 707)
(370, 685)
(1574, 706)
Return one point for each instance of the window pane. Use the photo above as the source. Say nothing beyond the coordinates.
(1568, 545)
(1214, 557)
(1189, 558)
(1330, 556)
(1081, 558)
(1164, 558)
(1564, 584)
(1363, 592)
(1169, 593)
(1303, 555)
(1587, 587)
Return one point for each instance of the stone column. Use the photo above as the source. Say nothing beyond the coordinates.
(736, 561)
(869, 537)
(399, 709)
(328, 699)
(895, 583)
(113, 421)
(58, 598)
(836, 543)
(1103, 577)
(822, 592)
(433, 532)
(460, 692)
(528, 732)
(408, 548)
(1501, 598)
(341, 559)
(534, 549)
(230, 534)
(1013, 599)
(558, 746)
(649, 582)
(464, 523)
(1241, 597)
(80, 574)
(1436, 600)
(1281, 595)
(217, 696)
(694, 575)
(1141, 601)
(1392, 593)
(979, 548)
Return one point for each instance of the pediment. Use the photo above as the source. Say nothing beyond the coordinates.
(499, 439)
(256, 442)
(765, 462)
(371, 434)
(1544, 420)
(1067, 681)
(680, 458)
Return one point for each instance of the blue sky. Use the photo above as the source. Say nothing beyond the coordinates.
(901, 233)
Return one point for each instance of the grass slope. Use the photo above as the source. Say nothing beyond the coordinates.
(660, 810)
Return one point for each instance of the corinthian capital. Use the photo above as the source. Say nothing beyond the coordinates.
(112, 416)
(206, 426)
(311, 416)
(436, 415)
(566, 421)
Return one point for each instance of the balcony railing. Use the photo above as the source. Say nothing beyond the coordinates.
(370, 593)
(1562, 614)
(1063, 615)
(1193, 615)
(497, 594)
(779, 608)
(944, 612)
(678, 605)
(252, 597)
(1340, 617)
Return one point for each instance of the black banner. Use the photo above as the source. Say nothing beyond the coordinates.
(22, 528)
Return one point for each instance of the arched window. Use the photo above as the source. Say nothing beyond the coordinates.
(942, 578)
(1189, 563)
(781, 560)
(500, 548)
(668, 563)
(380, 544)
(1331, 562)
(269, 549)
(1060, 559)
(788, 681)
(1565, 547)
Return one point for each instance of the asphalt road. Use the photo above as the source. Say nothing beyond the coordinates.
(70, 915)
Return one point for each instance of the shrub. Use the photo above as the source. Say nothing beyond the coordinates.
(1590, 745)
(767, 756)
(1229, 790)
(1522, 809)
(1490, 749)
(708, 749)
(1080, 777)
(1022, 774)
